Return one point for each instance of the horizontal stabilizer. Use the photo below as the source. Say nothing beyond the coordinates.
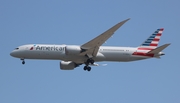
(158, 49)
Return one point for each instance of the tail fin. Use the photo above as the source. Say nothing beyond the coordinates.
(149, 47)
(152, 41)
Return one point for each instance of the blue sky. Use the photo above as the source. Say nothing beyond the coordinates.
(76, 22)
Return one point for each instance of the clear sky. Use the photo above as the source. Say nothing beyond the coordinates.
(76, 22)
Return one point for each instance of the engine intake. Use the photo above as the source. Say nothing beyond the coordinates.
(72, 50)
(69, 65)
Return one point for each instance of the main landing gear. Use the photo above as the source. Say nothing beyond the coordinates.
(87, 67)
(90, 60)
(23, 61)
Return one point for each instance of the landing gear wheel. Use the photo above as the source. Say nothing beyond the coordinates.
(89, 68)
(85, 68)
(87, 63)
(23, 62)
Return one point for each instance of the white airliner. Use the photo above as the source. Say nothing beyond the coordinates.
(74, 55)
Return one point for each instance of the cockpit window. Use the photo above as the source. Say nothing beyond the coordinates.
(16, 48)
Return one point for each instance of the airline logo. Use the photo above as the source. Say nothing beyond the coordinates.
(150, 44)
(47, 48)
(32, 47)
(153, 40)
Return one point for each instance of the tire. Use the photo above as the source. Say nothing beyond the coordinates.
(89, 68)
(23, 62)
(85, 68)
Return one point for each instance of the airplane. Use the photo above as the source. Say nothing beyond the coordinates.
(72, 56)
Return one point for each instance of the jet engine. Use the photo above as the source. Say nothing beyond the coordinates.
(69, 65)
(72, 50)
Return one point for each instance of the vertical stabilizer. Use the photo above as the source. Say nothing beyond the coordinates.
(152, 42)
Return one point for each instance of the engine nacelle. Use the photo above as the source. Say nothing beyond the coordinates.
(67, 65)
(72, 50)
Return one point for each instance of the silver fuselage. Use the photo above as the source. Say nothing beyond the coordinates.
(57, 52)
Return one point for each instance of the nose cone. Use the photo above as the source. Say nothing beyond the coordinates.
(15, 54)
(12, 54)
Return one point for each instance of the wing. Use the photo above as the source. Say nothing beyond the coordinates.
(91, 48)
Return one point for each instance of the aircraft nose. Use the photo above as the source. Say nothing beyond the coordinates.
(12, 54)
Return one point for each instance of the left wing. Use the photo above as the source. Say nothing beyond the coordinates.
(91, 48)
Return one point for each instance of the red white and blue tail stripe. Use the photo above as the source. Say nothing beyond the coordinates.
(152, 41)
(150, 44)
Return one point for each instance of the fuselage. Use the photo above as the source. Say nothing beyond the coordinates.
(58, 52)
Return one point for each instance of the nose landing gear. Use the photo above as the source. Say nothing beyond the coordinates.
(23, 61)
